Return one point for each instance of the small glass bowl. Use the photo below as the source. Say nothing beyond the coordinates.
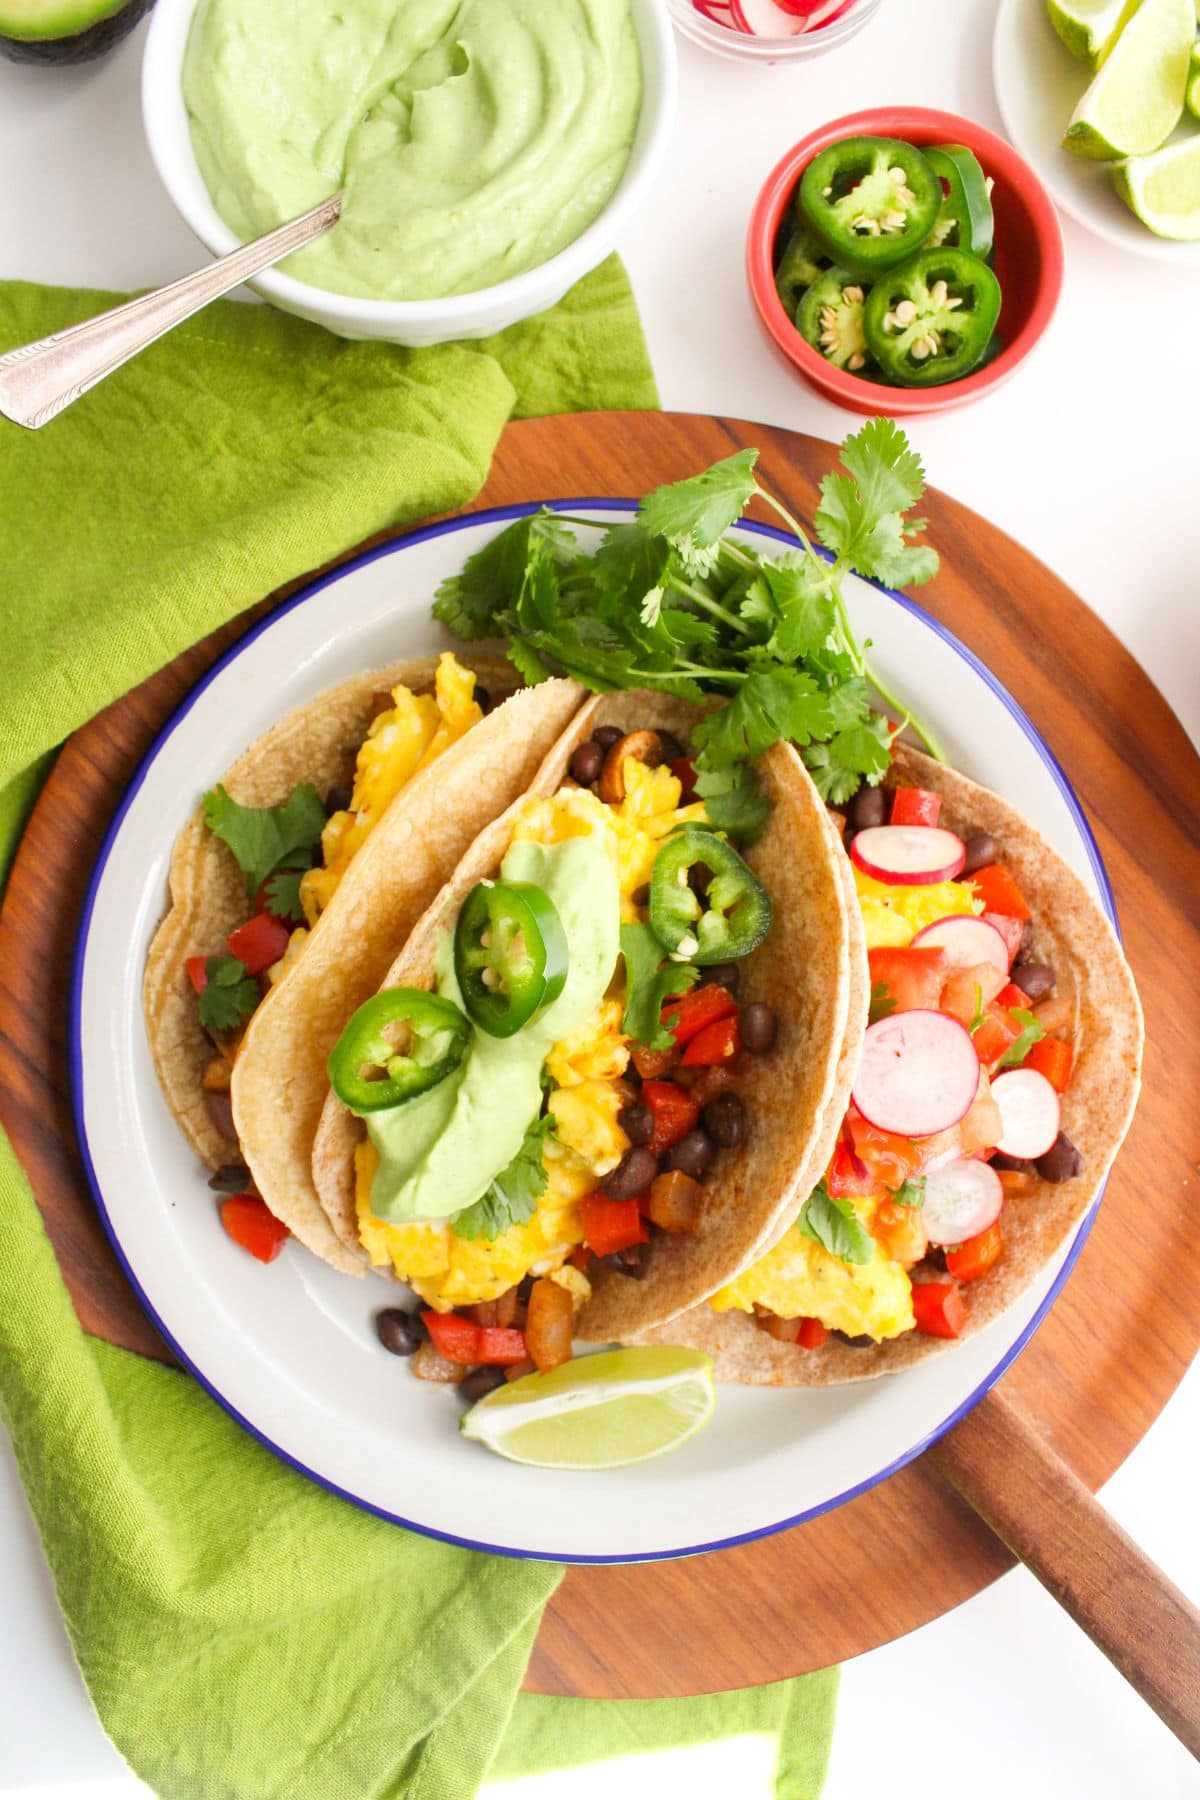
(725, 41)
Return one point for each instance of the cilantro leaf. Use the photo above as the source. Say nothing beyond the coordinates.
(861, 514)
(768, 706)
(910, 1192)
(736, 803)
(266, 838)
(1020, 1047)
(883, 1003)
(649, 981)
(230, 995)
(283, 896)
(836, 1226)
(470, 602)
(513, 1196)
(693, 514)
(793, 599)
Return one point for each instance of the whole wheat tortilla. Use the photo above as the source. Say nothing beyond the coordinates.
(408, 857)
(804, 967)
(1072, 934)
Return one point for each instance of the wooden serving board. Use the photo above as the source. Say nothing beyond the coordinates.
(1128, 1323)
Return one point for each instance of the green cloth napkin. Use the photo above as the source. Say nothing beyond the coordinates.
(244, 1634)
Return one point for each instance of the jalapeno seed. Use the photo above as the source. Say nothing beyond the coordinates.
(481, 1381)
(725, 1121)
(1061, 1161)
(632, 1175)
(637, 1122)
(1035, 980)
(692, 1155)
(606, 736)
(868, 808)
(230, 1178)
(399, 1331)
(981, 849)
(587, 763)
(759, 1026)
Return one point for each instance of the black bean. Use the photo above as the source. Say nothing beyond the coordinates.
(1035, 980)
(999, 1161)
(1061, 1161)
(726, 975)
(483, 697)
(855, 1343)
(692, 1155)
(641, 895)
(606, 736)
(338, 799)
(231, 1178)
(587, 763)
(399, 1331)
(868, 807)
(481, 1381)
(725, 1121)
(524, 1289)
(759, 1026)
(982, 849)
(632, 1175)
(220, 1111)
(637, 1122)
(629, 1261)
(672, 748)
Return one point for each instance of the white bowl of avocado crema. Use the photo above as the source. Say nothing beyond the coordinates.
(490, 151)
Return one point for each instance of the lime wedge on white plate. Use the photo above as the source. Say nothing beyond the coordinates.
(1193, 86)
(1135, 102)
(598, 1412)
(1164, 189)
(1090, 28)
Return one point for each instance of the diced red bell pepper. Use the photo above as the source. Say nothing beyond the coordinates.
(977, 1255)
(197, 968)
(580, 1257)
(452, 1336)
(673, 1110)
(260, 942)
(914, 977)
(812, 1334)
(251, 1223)
(997, 888)
(718, 1043)
(939, 1308)
(501, 1345)
(846, 1175)
(687, 1016)
(1011, 995)
(1052, 1057)
(684, 770)
(1011, 930)
(998, 1031)
(915, 806)
(889, 1159)
(611, 1225)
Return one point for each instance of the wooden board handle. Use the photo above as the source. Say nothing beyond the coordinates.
(1033, 1502)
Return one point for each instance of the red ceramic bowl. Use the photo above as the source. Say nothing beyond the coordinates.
(1028, 260)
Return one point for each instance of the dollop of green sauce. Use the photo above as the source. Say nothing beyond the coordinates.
(474, 138)
(443, 1150)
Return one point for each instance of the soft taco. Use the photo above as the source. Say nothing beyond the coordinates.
(609, 1061)
(997, 1081)
(366, 798)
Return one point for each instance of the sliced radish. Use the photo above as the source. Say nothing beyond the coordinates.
(1011, 930)
(919, 1074)
(961, 1200)
(1029, 1112)
(911, 855)
(967, 941)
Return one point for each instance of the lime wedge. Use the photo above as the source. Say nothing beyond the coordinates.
(1090, 28)
(598, 1412)
(1135, 102)
(1193, 86)
(1164, 189)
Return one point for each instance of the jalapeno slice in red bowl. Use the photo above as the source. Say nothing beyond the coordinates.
(510, 955)
(872, 201)
(830, 318)
(399, 1044)
(931, 319)
(965, 221)
(706, 903)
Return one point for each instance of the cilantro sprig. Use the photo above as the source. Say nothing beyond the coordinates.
(513, 1196)
(671, 602)
(1032, 1032)
(650, 980)
(836, 1226)
(230, 994)
(264, 839)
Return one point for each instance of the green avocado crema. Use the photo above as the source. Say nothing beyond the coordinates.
(474, 138)
(442, 1151)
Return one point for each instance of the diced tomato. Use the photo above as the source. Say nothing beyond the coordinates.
(501, 1344)
(1011, 995)
(673, 1110)
(650, 1064)
(580, 1257)
(684, 770)
(687, 1016)
(968, 989)
(1012, 930)
(251, 1223)
(915, 806)
(611, 1225)
(846, 1175)
(197, 968)
(997, 888)
(939, 1308)
(977, 1255)
(914, 977)
(260, 942)
(812, 1334)
(718, 1043)
(1052, 1057)
(998, 1031)
(452, 1336)
(982, 1128)
(889, 1159)
(901, 1231)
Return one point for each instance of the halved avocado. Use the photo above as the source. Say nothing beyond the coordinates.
(65, 31)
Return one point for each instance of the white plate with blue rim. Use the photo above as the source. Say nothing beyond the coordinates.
(289, 1349)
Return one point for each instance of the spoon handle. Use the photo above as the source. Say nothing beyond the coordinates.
(38, 380)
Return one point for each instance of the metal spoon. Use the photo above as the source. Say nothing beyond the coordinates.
(38, 380)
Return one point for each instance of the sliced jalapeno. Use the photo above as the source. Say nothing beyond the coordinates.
(931, 319)
(398, 1044)
(706, 904)
(510, 954)
(804, 261)
(965, 221)
(830, 318)
(871, 201)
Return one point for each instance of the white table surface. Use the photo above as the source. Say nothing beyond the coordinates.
(1095, 472)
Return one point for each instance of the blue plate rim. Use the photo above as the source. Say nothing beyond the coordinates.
(463, 521)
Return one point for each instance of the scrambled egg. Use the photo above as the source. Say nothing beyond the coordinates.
(448, 1271)
(894, 915)
(408, 737)
(799, 1279)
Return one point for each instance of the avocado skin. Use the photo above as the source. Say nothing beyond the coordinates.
(81, 46)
